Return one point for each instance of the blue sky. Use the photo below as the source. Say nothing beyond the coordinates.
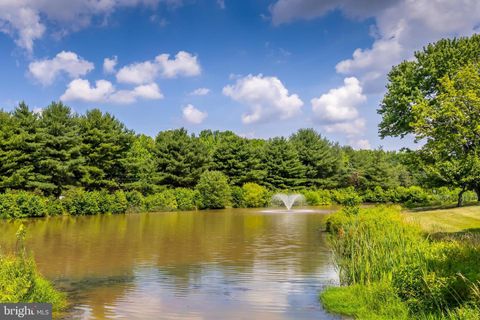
(260, 68)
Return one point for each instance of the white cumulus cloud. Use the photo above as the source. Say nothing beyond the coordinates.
(109, 64)
(360, 144)
(401, 27)
(183, 64)
(339, 104)
(67, 62)
(200, 92)
(80, 89)
(26, 20)
(193, 115)
(267, 98)
(104, 91)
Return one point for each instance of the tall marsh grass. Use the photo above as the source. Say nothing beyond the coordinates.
(432, 279)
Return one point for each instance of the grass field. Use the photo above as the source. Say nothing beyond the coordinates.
(447, 220)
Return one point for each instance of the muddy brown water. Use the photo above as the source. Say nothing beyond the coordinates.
(224, 264)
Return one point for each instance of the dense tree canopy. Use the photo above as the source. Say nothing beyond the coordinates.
(419, 80)
(436, 98)
(55, 150)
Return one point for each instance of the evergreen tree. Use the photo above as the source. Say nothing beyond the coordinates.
(283, 166)
(140, 165)
(238, 159)
(320, 158)
(57, 157)
(18, 144)
(105, 143)
(181, 158)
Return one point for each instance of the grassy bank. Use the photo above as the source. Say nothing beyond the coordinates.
(447, 220)
(389, 269)
(20, 280)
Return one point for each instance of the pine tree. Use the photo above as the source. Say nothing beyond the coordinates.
(284, 169)
(105, 143)
(58, 158)
(181, 158)
(322, 161)
(238, 159)
(140, 165)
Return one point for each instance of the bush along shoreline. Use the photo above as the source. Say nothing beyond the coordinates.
(388, 269)
(211, 192)
(20, 280)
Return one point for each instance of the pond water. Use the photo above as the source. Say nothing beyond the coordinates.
(225, 264)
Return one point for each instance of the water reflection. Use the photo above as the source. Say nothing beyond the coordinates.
(229, 264)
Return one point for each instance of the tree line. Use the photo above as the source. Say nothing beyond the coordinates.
(54, 150)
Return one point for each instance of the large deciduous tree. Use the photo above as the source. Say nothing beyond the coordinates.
(435, 98)
(419, 79)
(452, 130)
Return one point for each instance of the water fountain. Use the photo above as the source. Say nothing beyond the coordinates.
(288, 199)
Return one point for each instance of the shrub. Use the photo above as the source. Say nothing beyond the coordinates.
(55, 207)
(214, 190)
(346, 196)
(79, 202)
(135, 200)
(255, 196)
(317, 197)
(238, 197)
(186, 199)
(161, 201)
(22, 204)
(8, 206)
(119, 203)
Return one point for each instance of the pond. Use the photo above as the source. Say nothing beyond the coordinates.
(224, 264)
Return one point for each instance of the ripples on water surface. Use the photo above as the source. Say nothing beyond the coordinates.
(227, 264)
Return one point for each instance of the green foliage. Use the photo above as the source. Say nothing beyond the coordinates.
(141, 166)
(284, 169)
(77, 201)
(187, 199)
(21, 282)
(181, 158)
(57, 156)
(419, 79)
(255, 196)
(321, 159)
(135, 200)
(214, 190)
(436, 98)
(317, 197)
(345, 196)
(434, 280)
(238, 158)
(22, 204)
(355, 236)
(367, 302)
(238, 197)
(161, 201)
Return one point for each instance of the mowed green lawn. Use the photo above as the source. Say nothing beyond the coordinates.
(447, 220)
